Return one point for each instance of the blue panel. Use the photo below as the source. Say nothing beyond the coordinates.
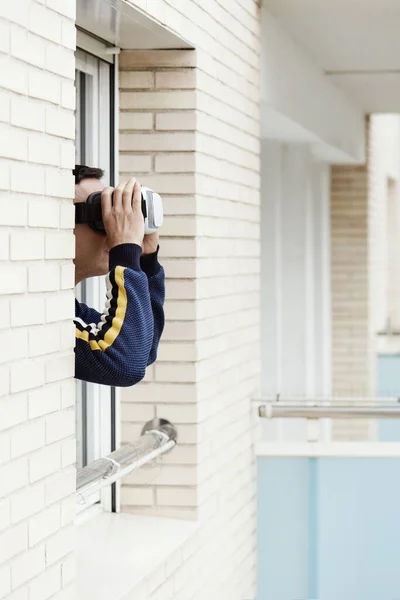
(283, 529)
(328, 529)
(389, 387)
(313, 518)
(359, 529)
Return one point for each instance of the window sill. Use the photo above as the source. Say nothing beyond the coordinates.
(116, 552)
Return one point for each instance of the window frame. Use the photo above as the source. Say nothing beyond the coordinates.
(95, 145)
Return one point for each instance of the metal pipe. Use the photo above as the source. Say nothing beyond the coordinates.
(323, 401)
(158, 437)
(303, 411)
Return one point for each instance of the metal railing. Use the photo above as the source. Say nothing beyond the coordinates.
(293, 410)
(158, 437)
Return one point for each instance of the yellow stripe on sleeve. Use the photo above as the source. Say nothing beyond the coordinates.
(117, 322)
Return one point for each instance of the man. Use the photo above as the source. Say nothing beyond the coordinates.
(115, 347)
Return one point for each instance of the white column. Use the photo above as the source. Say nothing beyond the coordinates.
(322, 304)
(297, 284)
(271, 301)
(322, 277)
(271, 272)
(296, 273)
(295, 280)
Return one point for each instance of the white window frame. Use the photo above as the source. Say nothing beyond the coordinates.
(101, 401)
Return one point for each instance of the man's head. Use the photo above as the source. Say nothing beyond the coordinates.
(91, 249)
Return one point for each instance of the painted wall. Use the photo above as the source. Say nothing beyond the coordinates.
(358, 529)
(389, 387)
(299, 103)
(295, 280)
(383, 210)
(328, 528)
(283, 529)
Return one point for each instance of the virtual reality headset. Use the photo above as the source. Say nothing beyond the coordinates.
(89, 212)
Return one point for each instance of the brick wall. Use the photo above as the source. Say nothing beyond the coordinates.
(351, 340)
(37, 393)
(190, 122)
(157, 142)
(365, 291)
(201, 120)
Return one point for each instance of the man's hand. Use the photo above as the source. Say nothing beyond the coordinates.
(150, 243)
(122, 213)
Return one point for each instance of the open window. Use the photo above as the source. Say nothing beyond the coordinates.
(95, 411)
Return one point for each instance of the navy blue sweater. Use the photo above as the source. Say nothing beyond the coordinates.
(114, 348)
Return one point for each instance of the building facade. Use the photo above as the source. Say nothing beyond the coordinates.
(261, 162)
(170, 93)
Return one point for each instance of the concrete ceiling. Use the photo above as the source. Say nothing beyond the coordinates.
(356, 43)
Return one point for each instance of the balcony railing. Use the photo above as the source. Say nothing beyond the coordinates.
(334, 409)
(158, 437)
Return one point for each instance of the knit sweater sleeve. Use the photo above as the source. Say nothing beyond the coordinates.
(116, 349)
(156, 280)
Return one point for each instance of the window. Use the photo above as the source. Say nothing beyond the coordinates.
(95, 418)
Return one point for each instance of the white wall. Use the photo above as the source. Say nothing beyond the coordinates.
(384, 165)
(300, 103)
(201, 150)
(295, 294)
(209, 358)
(37, 389)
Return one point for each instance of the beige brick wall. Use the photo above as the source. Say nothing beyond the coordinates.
(190, 120)
(164, 159)
(365, 292)
(191, 131)
(351, 311)
(37, 392)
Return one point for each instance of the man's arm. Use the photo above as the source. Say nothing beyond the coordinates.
(116, 349)
(156, 281)
(86, 313)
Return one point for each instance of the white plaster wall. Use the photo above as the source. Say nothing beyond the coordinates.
(295, 292)
(384, 164)
(300, 103)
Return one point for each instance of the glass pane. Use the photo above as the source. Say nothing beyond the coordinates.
(93, 409)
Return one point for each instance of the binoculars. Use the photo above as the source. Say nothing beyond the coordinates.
(90, 212)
